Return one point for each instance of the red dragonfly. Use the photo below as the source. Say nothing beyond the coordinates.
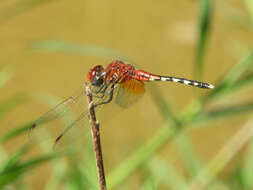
(118, 79)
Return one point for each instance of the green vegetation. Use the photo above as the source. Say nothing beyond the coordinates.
(155, 171)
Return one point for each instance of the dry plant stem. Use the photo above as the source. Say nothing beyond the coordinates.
(223, 157)
(96, 140)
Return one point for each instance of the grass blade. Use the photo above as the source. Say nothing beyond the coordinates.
(249, 5)
(222, 113)
(140, 157)
(16, 132)
(10, 103)
(167, 174)
(162, 105)
(247, 174)
(231, 78)
(19, 7)
(148, 184)
(82, 49)
(76, 178)
(204, 27)
(233, 14)
(208, 174)
(14, 159)
(245, 81)
(5, 75)
(190, 158)
(18, 168)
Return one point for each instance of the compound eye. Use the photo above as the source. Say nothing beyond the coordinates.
(98, 82)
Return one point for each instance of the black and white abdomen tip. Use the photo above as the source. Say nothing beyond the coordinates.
(183, 81)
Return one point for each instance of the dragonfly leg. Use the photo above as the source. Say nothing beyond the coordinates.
(102, 92)
(98, 90)
(112, 84)
(109, 99)
(104, 88)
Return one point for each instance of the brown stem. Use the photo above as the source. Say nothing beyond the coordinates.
(96, 140)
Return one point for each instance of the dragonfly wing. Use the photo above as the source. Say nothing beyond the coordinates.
(63, 114)
(61, 109)
(61, 123)
(129, 92)
(81, 121)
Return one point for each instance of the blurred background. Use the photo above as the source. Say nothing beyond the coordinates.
(176, 137)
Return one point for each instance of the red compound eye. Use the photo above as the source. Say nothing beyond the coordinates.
(95, 72)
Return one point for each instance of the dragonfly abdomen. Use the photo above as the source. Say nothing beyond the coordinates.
(181, 80)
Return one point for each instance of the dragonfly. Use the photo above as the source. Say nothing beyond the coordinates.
(119, 81)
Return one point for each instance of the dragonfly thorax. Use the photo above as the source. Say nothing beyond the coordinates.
(96, 75)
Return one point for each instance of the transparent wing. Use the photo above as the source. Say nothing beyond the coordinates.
(69, 115)
(60, 110)
(72, 112)
(129, 93)
(61, 115)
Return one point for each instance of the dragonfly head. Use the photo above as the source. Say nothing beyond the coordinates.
(96, 75)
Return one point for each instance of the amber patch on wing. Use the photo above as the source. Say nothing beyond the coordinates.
(129, 92)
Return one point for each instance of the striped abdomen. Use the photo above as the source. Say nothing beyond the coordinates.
(181, 80)
(145, 76)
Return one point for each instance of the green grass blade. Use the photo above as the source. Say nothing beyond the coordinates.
(244, 82)
(165, 173)
(148, 149)
(244, 64)
(249, 5)
(76, 179)
(89, 170)
(222, 158)
(19, 7)
(148, 184)
(247, 170)
(11, 173)
(191, 161)
(230, 79)
(10, 103)
(14, 159)
(3, 154)
(223, 113)
(162, 104)
(5, 75)
(11, 162)
(14, 133)
(82, 49)
(233, 14)
(204, 27)
(140, 157)
(59, 168)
